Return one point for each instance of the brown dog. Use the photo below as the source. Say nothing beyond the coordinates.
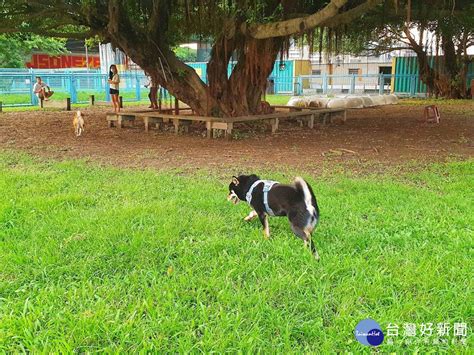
(78, 123)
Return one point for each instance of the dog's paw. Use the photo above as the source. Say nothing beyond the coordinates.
(251, 216)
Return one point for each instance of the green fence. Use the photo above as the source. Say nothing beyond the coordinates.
(407, 75)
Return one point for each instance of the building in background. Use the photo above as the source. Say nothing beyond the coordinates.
(110, 55)
(343, 64)
(78, 57)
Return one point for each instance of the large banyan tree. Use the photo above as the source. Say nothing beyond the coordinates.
(439, 32)
(253, 32)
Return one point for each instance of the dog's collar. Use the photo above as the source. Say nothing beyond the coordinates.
(268, 184)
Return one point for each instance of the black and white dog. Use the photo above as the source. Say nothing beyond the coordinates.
(270, 198)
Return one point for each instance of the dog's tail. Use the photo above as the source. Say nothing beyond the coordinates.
(310, 200)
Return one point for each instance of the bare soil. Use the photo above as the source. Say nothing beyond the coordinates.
(372, 139)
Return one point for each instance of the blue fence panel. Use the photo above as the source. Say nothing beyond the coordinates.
(16, 88)
(359, 84)
(201, 69)
(283, 76)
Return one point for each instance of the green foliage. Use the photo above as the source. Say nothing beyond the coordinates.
(381, 30)
(97, 259)
(92, 42)
(186, 54)
(15, 49)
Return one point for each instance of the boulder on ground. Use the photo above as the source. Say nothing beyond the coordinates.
(354, 102)
(320, 102)
(391, 99)
(347, 101)
(378, 100)
(337, 102)
(367, 101)
(297, 101)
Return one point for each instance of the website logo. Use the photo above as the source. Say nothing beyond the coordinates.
(368, 332)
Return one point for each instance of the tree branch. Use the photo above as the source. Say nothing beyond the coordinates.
(51, 33)
(293, 26)
(350, 15)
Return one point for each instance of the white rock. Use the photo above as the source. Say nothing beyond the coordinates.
(391, 99)
(367, 101)
(378, 100)
(320, 102)
(354, 102)
(337, 102)
(297, 101)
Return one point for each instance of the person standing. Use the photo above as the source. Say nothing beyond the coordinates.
(114, 81)
(152, 95)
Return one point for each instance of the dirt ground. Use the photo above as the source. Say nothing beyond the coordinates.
(372, 139)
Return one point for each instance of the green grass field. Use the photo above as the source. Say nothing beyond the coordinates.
(83, 96)
(96, 259)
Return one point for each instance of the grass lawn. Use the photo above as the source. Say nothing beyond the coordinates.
(96, 259)
(99, 96)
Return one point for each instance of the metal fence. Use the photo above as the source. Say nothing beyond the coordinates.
(16, 89)
(16, 86)
(409, 85)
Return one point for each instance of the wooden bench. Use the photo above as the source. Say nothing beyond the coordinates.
(216, 123)
(293, 108)
(158, 118)
(130, 116)
(183, 120)
(323, 113)
(64, 104)
(273, 118)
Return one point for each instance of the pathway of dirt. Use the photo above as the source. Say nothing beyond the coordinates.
(370, 139)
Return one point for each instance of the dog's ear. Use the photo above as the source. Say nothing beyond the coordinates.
(235, 180)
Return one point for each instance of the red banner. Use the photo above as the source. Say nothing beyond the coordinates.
(44, 61)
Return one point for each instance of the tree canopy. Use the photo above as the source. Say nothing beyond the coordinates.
(186, 54)
(15, 48)
(439, 32)
(255, 32)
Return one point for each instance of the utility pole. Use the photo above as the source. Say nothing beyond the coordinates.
(87, 56)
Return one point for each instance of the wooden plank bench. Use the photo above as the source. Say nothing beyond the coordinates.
(217, 123)
(273, 118)
(323, 113)
(293, 108)
(118, 118)
(183, 120)
(130, 116)
(63, 104)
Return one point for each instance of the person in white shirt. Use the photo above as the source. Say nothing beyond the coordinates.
(152, 95)
(114, 81)
(41, 90)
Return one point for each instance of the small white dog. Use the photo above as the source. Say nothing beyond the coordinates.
(78, 123)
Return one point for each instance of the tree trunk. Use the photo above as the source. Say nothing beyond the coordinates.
(240, 94)
(236, 95)
(448, 79)
(223, 96)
